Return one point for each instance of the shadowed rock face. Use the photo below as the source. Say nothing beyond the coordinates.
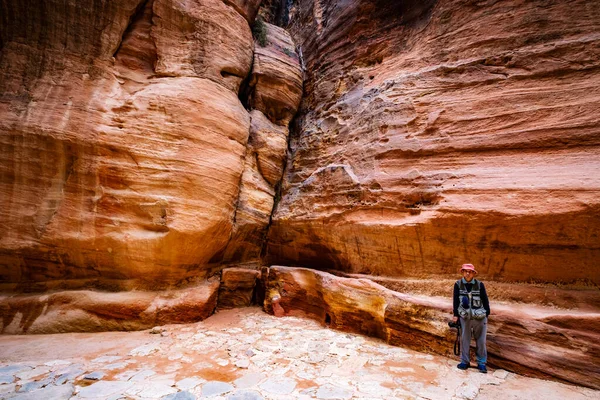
(437, 133)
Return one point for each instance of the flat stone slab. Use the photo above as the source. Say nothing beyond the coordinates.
(151, 390)
(215, 388)
(106, 359)
(245, 395)
(333, 392)
(189, 383)
(95, 376)
(501, 374)
(62, 392)
(179, 396)
(249, 379)
(279, 385)
(13, 369)
(104, 389)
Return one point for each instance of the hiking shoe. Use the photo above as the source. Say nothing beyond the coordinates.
(482, 368)
(464, 366)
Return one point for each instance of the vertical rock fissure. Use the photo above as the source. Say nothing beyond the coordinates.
(271, 94)
(135, 17)
(243, 95)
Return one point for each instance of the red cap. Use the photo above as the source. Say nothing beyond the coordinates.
(468, 267)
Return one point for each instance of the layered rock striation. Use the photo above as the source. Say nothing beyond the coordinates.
(141, 141)
(440, 132)
(547, 342)
(124, 139)
(274, 92)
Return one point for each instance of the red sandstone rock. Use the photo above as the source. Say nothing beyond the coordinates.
(437, 133)
(541, 341)
(123, 145)
(247, 8)
(276, 77)
(206, 39)
(92, 311)
(237, 287)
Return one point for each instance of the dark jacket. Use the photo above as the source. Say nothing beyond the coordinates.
(484, 298)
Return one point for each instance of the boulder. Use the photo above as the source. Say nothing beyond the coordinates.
(95, 311)
(237, 287)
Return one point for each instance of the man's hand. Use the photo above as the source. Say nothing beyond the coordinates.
(455, 319)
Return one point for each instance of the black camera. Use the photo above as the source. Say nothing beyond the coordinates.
(453, 324)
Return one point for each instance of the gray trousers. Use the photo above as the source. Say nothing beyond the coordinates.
(479, 328)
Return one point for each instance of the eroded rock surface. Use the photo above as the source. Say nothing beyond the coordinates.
(435, 133)
(93, 311)
(274, 92)
(124, 142)
(528, 338)
(237, 287)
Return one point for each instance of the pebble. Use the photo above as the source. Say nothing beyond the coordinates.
(242, 363)
(94, 376)
(500, 374)
(157, 330)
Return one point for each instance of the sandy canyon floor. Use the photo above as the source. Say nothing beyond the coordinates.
(246, 354)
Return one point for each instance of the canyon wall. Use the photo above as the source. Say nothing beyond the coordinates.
(434, 133)
(143, 145)
(126, 135)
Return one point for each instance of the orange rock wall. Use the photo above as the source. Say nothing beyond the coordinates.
(441, 132)
(124, 140)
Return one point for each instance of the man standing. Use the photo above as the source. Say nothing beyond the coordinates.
(472, 306)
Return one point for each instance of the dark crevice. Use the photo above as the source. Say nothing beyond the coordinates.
(276, 199)
(137, 15)
(137, 54)
(245, 92)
